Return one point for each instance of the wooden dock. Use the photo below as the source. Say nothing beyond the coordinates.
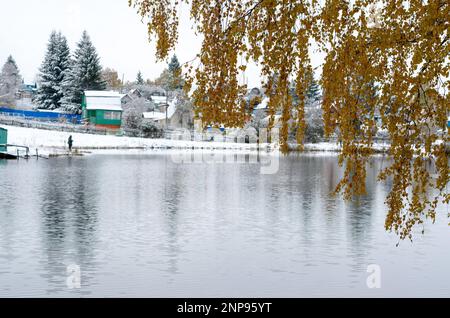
(5, 155)
(22, 152)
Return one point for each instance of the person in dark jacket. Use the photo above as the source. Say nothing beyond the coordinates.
(70, 143)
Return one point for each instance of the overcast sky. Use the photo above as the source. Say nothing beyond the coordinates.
(115, 29)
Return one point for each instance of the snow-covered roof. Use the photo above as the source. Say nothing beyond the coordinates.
(162, 115)
(135, 90)
(105, 107)
(102, 94)
(159, 99)
(263, 104)
(172, 108)
(104, 100)
(154, 115)
(276, 119)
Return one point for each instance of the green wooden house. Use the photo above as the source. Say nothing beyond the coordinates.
(102, 108)
(3, 139)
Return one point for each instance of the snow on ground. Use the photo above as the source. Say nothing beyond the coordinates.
(54, 140)
(327, 146)
(38, 138)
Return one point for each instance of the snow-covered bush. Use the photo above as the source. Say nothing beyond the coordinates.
(132, 120)
(314, 125)
(151, 129)
(71, 108)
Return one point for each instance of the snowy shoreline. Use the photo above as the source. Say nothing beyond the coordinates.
(50, 141)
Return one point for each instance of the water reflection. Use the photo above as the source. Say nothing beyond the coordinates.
(69, 219)
(171, 195)
(148, 226)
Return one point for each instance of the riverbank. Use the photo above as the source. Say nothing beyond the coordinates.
(54, 142)
(57, 140)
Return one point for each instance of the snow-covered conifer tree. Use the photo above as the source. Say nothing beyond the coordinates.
(175, 80)
(10, 81)
(313, 92)
(85, 74)
(139, 79)
(53, 71)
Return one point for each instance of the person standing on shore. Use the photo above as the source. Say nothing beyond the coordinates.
(70, 143)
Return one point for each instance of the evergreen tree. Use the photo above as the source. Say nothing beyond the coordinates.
(313, 92)
(53, 72)
(70, 89)
(10, 81)
(174, 64)
(139, 79)
(175, 80)
(86, 74)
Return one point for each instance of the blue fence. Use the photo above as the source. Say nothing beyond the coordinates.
(42, 116)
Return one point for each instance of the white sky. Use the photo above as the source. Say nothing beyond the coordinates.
(115, 29)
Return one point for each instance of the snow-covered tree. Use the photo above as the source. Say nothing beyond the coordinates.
(313, 92)
(315, 127)
(85, 74)
(70, 89)
(314, 131)
(139, 79)
(139, 104)
(53, 72)
(151, 129)
(174, 64)
(175, 80)
(132, 120)
(184, 109)
(10, 81)
(258, 121)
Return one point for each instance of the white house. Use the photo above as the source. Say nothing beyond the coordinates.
(160, 117)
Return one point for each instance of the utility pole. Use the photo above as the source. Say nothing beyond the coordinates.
(167, 106)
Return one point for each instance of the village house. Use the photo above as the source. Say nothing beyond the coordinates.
(156, 105)
(163, 115)
(102, 108)
(159, 96)
(132, 95)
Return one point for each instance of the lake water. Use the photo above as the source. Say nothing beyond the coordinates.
(147, 226)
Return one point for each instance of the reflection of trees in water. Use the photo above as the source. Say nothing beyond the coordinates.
(308, 189)
(84, 212)
(171, 193)
(138, 186)
(69, 218)
(331, 205)
(360, 216)
(310, 183)
(292, 193)
(9, 197)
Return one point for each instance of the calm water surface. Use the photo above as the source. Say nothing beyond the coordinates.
(143, 225)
